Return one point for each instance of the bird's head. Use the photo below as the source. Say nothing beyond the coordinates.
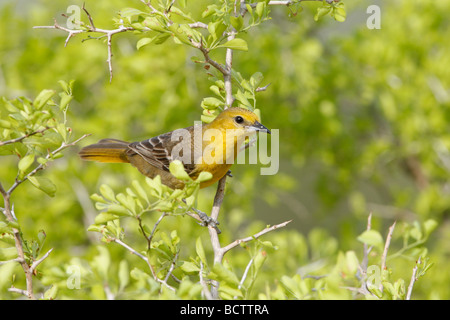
(239, 118)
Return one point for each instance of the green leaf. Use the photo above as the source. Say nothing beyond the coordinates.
(339, 14)
(210, 10)
(200, 251)
(322, 11)
(237, 22)
(143, 42)
(260, 9)
(129, 13)
(211, 103)
(204, 176)
(118, 210)
(51, 293)
(372, 238)
(155, 24)
(42, 98)
(190, 267)
(177, 169)
(104, 217)
(65, 100)
(221, 273)
(141, 192)
(43, 184)
(240, 96)
(235, 44)
(107, 192)
(25, 163)
(155, 185)
(429, 226)
(124, 274)
(256, 79)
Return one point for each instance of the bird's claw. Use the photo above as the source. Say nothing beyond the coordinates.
(207, 221)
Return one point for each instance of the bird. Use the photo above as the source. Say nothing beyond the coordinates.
(210, 147)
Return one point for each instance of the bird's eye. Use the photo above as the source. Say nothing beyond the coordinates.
(239, 119)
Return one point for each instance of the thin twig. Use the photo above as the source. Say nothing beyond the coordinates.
(91, 28)
(42, 165)
(2, 143)
(255, 236)
(244, 276)
(259, 89)
(39, 261)
(413, 280)
(386, 248)
(205, 290)
(172, 266)
(205, 52)
(126, 246)
(8, 211)
(150, 238)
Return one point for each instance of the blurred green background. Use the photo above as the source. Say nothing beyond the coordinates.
(363, 117)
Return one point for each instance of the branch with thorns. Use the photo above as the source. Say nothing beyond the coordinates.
(91, 28)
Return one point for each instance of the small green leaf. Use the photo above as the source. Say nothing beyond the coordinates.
(211, 103)
(339, 14)
(25, 163)
(204, 176)
(237, 22)
(177, 169)
(372, 238)
(42, 98)
(322, 11)
(235, 44)
(51, 293)
(221, 273)
(107, 192)
(200, 251)
(124, 274)
(143, 42)
(155, 185)
(118, 210)
(65, 100)
(256, 79)
(141, 192)
(260, 9)
(429, 226)
(104, 217)
(43, 184)
(189, 267)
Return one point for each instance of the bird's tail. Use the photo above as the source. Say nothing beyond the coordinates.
(106, 150)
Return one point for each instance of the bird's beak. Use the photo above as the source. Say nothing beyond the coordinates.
(259, 127)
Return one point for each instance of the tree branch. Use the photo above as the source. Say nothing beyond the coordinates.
(386, 248)
(255, 236)
(3, 143)
(9, 214)
(413, 280)
(126, 246)
(91, 28)
(42, 165)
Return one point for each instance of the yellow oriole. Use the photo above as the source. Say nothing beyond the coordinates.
(213, 150)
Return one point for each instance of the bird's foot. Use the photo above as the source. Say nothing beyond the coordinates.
(207, 221)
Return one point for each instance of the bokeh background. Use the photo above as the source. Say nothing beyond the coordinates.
(363, 117)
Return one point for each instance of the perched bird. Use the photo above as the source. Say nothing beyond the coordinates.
(211, 147)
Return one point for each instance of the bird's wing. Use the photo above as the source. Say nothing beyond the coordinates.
(157, 151)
